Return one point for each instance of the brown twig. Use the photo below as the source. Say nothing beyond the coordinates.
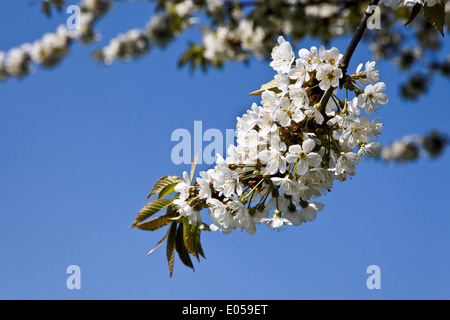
(359, 32)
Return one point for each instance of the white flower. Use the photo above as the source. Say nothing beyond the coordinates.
(356, 129)
(288, 111)
(369, 149)
(282, 82)
(346, 163)
(314, 113)
(329, 76)
(289, 186)
(371, 73)
(186, 210)
(220, 216)
(241, 216)
(331, 57)
(226, 182)
(352, 108)
(310, 212)
(276, 222)
(270, 100)
(295, 218)
(243, 153)
(300, 72)
(310, 57)
(204, 185)
(18, 61)
(298, 95)
(274, 158)
(282, 56)
(372, 97)
(303, 156)
(183, 187)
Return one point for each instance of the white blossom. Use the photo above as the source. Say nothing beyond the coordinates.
(303, 156)
(372, 97)
(282, 56)
(329, 76)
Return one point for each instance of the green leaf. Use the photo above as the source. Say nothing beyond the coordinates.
(197, 243)
(170, 250)
(272, 86)
(194, 165)
(46, 8)
(48, 4)
(183, 252)
(157, 223)
(436, 15)
(150, 209)
(163, 183)
(188, 238)
(193, 55)
(159, 243)
(414, 13)
(167, 190)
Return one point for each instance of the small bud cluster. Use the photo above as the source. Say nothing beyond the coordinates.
(293, 147)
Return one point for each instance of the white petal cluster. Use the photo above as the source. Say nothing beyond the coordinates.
(289, 151)
(159, 31)
(221, 44)
(52, 47)
(403, 150)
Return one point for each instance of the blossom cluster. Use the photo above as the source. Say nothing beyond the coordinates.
(160, 30)
(413, 147)
(292, 147)
(52, 47)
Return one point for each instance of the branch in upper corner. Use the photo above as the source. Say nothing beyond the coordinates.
(359, 33)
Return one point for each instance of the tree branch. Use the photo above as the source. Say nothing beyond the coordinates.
(359, 32)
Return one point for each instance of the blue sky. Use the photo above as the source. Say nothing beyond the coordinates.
(82, 145)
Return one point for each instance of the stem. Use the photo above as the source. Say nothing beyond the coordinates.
(357, 36)
(253, 191)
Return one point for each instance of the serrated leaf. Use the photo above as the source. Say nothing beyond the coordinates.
(188, 238)
(170, 250)
(272, 86)
(157, 223)
(197, 243)
(167, 190)
(436, 16)
(162, 183)
(414, 13)
(183, 252)
(194, 165)
(150, 209)
(159, 244)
